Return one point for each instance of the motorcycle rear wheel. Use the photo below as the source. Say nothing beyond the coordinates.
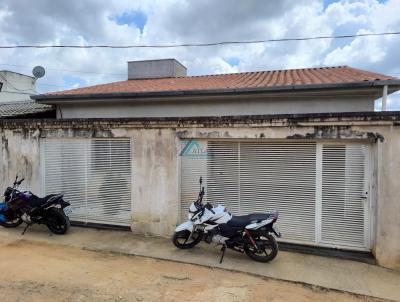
(12, 224)
(184, 236)
(267, 252)
(57, 222)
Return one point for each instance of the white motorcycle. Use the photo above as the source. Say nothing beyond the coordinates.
(252, 234)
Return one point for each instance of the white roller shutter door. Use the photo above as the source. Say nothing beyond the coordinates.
(93, 174)
(281, 177)
(345, 195)
(319, 189)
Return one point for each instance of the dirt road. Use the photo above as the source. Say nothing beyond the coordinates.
(40, 272)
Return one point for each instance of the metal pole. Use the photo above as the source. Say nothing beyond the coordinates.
(384, 98)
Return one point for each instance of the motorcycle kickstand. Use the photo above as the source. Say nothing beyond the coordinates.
(26, 228)
(223, 253)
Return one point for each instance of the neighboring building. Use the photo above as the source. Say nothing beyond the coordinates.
(15, 97)
(15, 86)
(26, 109)
(305, 142)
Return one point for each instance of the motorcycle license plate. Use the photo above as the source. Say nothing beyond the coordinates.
(68, 210)
(277, 231)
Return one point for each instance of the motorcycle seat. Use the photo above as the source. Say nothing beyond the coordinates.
(242, 221)
(36, 201)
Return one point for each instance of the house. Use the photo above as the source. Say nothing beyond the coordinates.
(161, 88)
(305, 142)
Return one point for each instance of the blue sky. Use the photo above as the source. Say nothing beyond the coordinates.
(73, 81)
(233, 61)
(131, 18)
(327, 2)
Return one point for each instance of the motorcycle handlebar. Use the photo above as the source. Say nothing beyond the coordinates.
(16, 182)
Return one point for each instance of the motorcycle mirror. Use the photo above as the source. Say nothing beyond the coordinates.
(201, 180)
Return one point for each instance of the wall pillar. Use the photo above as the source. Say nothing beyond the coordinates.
(155, 177)
(387, 249)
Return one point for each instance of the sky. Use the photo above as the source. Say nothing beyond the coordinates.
(127, 22)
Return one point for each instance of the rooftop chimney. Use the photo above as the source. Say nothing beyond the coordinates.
(150, 69)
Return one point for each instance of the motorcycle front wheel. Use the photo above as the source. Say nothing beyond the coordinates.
(267, 249)
(182, 241)
(57, 221)
(12, 223)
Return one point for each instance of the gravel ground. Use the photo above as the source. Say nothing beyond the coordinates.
(42, 272)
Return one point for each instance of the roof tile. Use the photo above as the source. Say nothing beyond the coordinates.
(290, 77)
(22, 108)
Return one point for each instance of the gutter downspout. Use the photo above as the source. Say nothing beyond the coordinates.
(384, 97)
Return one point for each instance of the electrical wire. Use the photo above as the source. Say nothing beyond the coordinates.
(200, 44)
(72, 71)
(57, 69)
(170, 46)
(118, 75)
(115, 75)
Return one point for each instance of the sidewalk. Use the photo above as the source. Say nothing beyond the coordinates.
(332, 273)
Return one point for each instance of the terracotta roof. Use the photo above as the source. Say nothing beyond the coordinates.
(250, 80)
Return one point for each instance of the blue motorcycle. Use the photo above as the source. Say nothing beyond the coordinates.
(19, 207)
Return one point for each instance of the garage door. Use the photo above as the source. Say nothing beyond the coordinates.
(93, 174)
(320, 189)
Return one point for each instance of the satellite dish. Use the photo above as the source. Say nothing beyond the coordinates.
(38, 72)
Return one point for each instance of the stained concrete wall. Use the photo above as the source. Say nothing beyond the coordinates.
(156, 171)
(214, 107)
(155, 174)
(20, 155)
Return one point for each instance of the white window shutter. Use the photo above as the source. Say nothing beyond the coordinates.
(95, 176)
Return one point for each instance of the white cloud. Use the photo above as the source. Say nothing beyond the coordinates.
(360, 51)
(177, 21)
(373, 53)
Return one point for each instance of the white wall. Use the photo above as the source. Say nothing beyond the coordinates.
(16, 87)
(215, 107)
